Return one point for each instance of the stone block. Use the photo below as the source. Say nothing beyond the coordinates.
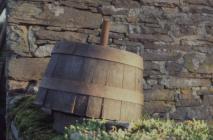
(159, 95)
(17, 40)
(119, 28)
(161, 55)
(192, 61)
(199, 2)
(174, 68)
(112, 10)
(188, 113)
(148, 65)
(207, 65)
(43, 51)
(166, 3)
(26, 69)
(209, 29)
(65, 35)
(51, 15)
(208, 100)
(126, 3)
(157, 107)
(176, 82)
(16, 87)
(188, 102)
(149, 37)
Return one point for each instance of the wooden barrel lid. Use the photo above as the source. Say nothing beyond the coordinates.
(109, 54)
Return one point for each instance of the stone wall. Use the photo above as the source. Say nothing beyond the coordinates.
(174, 36)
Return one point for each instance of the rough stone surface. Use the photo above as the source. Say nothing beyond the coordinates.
(26, 69)
(17, 86)
(45, 14)
(174, 82)
(175, 38)
(159, 95)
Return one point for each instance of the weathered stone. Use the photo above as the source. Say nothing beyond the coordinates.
(94, 39)
(17, 41)
(25, 12)
(167, 3)
(192, 61)
(126, 3)
(185, 93)
(188, 30)
(175, 82)
(199, 2)
(185, 113)
(208, 100)
(157, 107)
(53, 35)
(116, 36)
(148, 65)
(148, 14)
(205, 91)
(152, 73)
(111, 10)
(149, 37)
(84, 4)
(16, 86)
(153, 30)
(26, 69)
(159, 95)
(207, 65)
(43, 51)
(188, 102)
(161, 55)
(119, 28)
(209, 29)
(173, 68)
(134, 29)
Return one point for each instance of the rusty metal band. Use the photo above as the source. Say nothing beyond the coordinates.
(92, 90)
(110, 54)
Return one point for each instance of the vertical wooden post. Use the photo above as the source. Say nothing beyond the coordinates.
(105, 33)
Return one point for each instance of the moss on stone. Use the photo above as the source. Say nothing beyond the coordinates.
(32, 123)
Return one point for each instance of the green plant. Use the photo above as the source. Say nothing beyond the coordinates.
(149, 129)
(32, 123)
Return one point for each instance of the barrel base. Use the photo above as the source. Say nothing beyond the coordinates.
(62, 120)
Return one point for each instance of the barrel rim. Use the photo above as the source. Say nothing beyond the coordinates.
(90, 51)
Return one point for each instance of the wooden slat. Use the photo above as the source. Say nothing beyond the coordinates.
(93, 90)
(110, 54)
(139, 80)
(111, 109)
(77, 67)
(41, 95)
(129, 81)
(88, 70)
(100, 72)
(59, 70)
(51, 66)
(60, 101)
(80, 105)
(115, 75)
(130, 111)
(94, 107)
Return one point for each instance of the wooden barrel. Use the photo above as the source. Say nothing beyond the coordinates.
(96, 82)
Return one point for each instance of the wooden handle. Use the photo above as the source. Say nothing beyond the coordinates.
(105, 33)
